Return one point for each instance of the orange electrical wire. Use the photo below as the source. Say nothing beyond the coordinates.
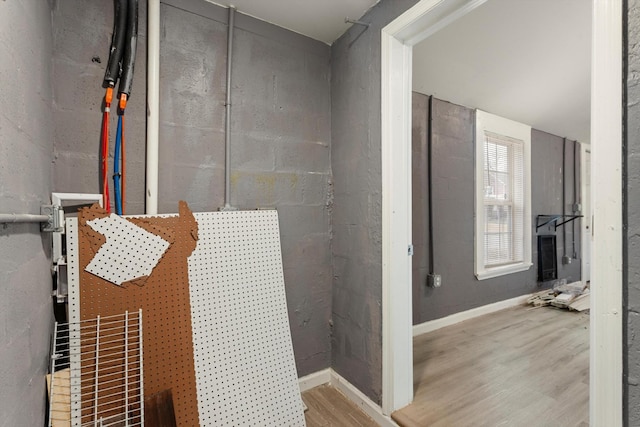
(105, 149)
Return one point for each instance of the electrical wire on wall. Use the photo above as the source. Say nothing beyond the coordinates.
(111, 75)
(119, 68)
(433, 280)
(104, 151)
(565, 258)
(574, 209)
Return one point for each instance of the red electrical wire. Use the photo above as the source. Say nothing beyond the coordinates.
(105, 150)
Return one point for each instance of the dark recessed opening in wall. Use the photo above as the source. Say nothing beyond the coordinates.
(547, 263)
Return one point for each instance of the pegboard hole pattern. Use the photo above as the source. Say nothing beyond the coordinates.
(244, 362)
(163, 297)
(129, 253)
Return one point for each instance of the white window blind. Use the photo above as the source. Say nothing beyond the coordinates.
(503, 200)
(503, 211)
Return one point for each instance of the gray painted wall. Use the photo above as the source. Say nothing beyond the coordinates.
(26, 317)
(281, 132)
(357, 210)
(631, 217)
(453, 212)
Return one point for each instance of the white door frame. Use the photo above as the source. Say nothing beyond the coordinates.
(398, 38)
(585, 200)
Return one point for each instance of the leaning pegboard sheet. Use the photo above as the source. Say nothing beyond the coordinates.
(245, 367)
(163, 297)
(218, 292)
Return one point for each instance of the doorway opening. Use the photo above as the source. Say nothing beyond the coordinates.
(398, 39)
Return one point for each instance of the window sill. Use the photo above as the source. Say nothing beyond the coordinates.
(501, 271)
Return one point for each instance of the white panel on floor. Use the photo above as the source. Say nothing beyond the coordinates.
(245, 368)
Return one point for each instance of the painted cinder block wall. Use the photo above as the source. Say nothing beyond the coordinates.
(631, 218)
(280, 133)
(357, 211)
(26, 148)
(453, 129)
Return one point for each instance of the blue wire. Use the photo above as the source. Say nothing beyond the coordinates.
(116, 167)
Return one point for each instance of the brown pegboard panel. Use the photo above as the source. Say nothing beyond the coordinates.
(164, 300)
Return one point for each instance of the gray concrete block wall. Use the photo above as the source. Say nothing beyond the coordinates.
(357, 208)
(631, 215)
(419, 200)
(546, 196)
(453, 213)
(280, 133)
(26, 148)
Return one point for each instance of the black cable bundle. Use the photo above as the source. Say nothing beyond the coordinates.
(129, 59)
(124, 41)
(112, 73)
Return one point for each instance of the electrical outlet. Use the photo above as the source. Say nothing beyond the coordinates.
(434, 280)
(566, 259)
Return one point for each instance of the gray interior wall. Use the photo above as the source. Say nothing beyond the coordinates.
(280, 136)
(26, 149)
(631, 216)
(419, 200)
(453, 212)
(357, 210)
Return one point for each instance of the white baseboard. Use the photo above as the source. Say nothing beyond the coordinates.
(314, 380)
(367, 405)
(331, 377)
(452, 319)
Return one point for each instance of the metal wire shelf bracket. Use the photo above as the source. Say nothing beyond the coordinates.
(96, 372)
(542, 220)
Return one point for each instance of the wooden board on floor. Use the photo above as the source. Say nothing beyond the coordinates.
(60, 401)
(159, 411)
(512, 367)
(329, 407)
(582, 303)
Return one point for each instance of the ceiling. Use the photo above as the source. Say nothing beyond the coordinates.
(526, 60)
(319, 19)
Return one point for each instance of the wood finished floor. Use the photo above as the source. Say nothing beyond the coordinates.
(328, 407)
(516, 367)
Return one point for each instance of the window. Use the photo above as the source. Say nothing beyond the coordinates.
(503, 202)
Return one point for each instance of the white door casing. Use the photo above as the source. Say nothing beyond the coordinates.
(413, 26)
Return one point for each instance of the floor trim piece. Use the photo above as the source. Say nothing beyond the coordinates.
(359, 398)
(314, 380)
(452, 319)
(331, 377)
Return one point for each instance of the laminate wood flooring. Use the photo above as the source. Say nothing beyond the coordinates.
(328, 407)
(516, 367)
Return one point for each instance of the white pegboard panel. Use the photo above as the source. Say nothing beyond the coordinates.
(74, 312)
(120, 258)
(245, 367)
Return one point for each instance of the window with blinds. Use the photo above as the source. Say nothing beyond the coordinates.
(503, 200)
(503, 223)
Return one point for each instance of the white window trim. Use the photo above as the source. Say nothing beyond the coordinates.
(501, 126)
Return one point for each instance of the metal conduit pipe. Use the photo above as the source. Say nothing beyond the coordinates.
(227, 104)
(15, 218)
